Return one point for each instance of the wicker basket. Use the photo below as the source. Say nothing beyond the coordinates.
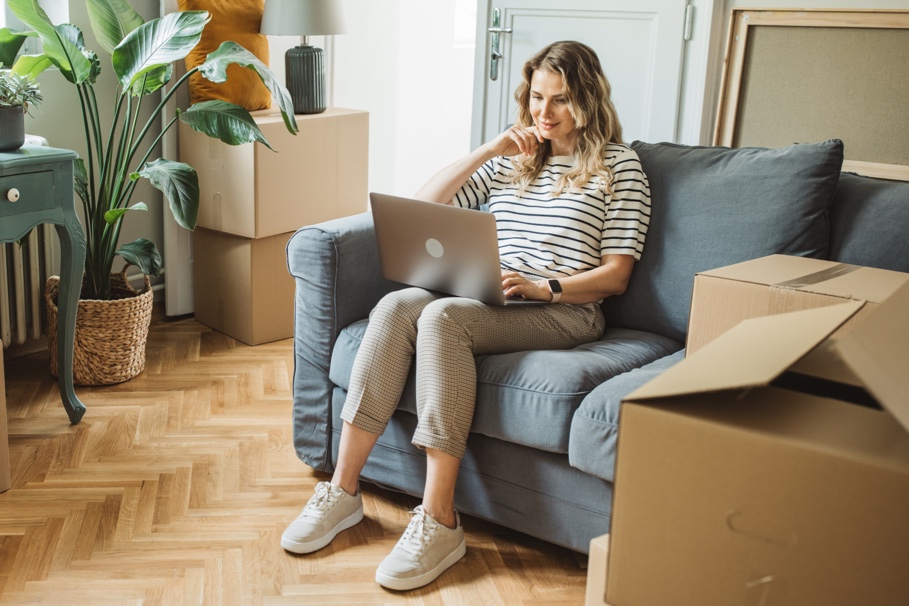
(110, 335)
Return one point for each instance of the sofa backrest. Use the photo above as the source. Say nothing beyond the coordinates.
(869, 223)
(714, 206)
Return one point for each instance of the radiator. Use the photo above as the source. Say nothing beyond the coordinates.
(24, 269)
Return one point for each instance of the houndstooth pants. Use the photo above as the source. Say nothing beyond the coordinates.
(446, 333)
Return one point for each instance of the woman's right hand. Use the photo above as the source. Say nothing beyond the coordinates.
(517, 140)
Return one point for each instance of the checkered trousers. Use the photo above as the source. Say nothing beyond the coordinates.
(445, 333)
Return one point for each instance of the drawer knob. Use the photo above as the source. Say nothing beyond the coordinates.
(12, 195)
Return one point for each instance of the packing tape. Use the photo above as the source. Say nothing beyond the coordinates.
(840, 269)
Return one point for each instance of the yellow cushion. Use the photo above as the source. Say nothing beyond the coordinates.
(236, 20)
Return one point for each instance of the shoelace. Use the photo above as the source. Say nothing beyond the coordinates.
(419, 533)
(320, 502)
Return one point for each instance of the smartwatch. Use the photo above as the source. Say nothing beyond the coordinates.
(556, 289)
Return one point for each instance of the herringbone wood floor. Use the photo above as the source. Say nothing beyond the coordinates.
(176, 486)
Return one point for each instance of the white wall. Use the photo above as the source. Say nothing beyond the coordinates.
(409, 63)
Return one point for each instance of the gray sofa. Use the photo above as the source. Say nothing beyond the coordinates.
(541, 453)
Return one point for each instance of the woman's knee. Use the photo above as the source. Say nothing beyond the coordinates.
(405, 303)
(450, 314)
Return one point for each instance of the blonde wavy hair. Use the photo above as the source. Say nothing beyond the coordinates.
(589, 101)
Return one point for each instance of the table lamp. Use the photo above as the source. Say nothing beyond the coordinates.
(304, 66)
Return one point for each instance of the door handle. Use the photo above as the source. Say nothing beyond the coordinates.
(495, 54)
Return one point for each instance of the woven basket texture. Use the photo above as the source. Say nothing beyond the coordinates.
(110, 335)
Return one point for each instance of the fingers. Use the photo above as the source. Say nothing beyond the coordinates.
(520, 140)
(516, 285)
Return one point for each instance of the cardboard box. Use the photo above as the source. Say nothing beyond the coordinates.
(777, 284)
(4, 434)
(242, 287)
(596, 572)
(730, 490)
(318, 174)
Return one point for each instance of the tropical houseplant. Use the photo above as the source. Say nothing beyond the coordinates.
(119, 149)
(18, 92)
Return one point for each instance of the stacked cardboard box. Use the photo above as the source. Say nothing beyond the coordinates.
(252, 199)
(737, 483)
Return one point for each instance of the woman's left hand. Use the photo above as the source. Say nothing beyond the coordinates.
(516, 285)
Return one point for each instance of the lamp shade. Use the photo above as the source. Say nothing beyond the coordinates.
(302, 18)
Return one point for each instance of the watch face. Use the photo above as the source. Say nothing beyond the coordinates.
(555, 286)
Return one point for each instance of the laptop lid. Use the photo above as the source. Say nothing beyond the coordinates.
(438, 247)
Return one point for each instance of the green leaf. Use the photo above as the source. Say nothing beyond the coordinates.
(68, 57)
(31, 65)
(180, 185)
(112, 216)
(226, 121)
(80, 179)
(156, 43)
(153, 79)
(215, 69)
(10, 43)
(143, 254)
(111, 21)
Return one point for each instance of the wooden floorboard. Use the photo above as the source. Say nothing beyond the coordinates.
(175, 488)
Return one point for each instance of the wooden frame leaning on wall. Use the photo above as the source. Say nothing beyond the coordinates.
(808, 75)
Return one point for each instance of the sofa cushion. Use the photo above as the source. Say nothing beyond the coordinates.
(529, 397)
(595, 425)
(715, 206)
(869, 223)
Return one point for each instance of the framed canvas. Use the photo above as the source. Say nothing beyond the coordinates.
(796, 76)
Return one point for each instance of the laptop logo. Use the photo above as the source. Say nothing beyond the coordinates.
(435, 248)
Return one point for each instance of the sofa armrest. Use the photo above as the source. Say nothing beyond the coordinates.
(338, 281)
(595, 425)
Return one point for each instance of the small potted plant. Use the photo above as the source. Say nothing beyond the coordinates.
(18, 92)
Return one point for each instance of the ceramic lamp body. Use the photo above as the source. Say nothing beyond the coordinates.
(12, 127)
(305, 73)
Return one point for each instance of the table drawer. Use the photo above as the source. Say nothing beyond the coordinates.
(35, 192)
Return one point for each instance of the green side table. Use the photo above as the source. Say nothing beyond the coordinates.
(36, 186)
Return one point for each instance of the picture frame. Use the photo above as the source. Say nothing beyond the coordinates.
(809, 75)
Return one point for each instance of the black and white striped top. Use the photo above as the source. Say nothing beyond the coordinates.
(551, 235)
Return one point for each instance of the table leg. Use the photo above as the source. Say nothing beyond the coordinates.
(72, 264)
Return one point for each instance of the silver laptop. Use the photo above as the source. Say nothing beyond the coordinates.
(440, 247)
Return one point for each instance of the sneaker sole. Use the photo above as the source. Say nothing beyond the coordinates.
(409, 583)
(317, 544)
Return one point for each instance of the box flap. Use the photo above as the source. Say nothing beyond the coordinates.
(877, 350)
(751, 354)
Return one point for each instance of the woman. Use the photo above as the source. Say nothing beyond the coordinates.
(572, 207)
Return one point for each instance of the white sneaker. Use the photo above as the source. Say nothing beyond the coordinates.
(327, 513)
(426, 550)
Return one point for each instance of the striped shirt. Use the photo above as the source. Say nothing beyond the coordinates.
(553, 235)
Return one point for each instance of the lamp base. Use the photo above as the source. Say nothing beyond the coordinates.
(305, 75)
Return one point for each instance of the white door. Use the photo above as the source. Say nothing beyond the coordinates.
(639, 42)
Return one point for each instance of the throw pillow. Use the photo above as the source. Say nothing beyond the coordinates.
(236, 20)
(714, 206)
(869, 223)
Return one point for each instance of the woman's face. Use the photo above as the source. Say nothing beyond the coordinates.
(549, 109)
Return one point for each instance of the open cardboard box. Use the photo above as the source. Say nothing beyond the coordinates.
(731, 489)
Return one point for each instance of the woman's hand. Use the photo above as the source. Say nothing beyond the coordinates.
(516, 285)
(517, 140)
